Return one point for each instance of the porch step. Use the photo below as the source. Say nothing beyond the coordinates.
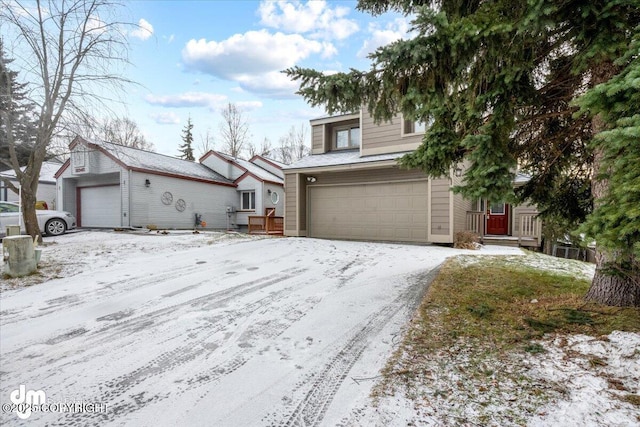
(512, 241)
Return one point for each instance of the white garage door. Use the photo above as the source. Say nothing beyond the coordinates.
(100, 206)
(391, 211)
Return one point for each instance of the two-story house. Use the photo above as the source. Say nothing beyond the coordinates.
(352, 188)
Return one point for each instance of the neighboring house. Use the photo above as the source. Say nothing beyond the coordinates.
(259, 181)
(107, 185)
(46, 185)
(351, 187)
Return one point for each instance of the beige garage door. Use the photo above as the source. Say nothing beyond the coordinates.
(390, 211)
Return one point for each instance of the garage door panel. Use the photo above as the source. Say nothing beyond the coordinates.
(100, 206)
(391, 211)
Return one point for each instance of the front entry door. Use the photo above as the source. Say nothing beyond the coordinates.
(498, 219)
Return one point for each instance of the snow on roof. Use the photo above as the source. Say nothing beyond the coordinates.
(254, 169)
(336, 158)
(47, 172)
(155, 162)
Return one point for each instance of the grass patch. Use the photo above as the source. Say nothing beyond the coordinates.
(477, 320)
(509, 304)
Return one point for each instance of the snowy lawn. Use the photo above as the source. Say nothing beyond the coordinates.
(210, 329)
(219, 329)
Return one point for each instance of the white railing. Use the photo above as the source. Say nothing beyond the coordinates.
(530, 226)
(475, 222)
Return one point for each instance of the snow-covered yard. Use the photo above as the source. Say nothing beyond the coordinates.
(230, 330)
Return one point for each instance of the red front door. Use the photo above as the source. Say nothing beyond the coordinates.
(498, 219)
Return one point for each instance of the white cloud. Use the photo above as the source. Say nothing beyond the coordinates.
(273, 84)
(143, 31)
(169, 118)
(248, 105)
(315, 18)
(254, 52)
(395, 30)
(187, 99)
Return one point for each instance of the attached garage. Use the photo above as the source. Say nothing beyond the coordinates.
(389, 211)
(99, 206)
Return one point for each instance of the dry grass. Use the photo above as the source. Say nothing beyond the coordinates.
(473, 328)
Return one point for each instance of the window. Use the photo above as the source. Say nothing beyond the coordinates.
(417, 126)
(347, 138)
(248, 200)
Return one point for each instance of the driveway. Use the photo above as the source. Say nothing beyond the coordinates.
(148, 330)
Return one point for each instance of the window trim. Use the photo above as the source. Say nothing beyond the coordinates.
(350, 144)
(252, 198)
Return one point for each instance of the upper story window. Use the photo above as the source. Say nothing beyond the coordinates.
(418, 126)
(347, 137)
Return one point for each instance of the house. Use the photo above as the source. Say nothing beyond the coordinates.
(351, 187)
(259, 183)
(46, 184)
(108, 185)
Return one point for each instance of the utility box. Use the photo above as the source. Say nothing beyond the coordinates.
(13, 230)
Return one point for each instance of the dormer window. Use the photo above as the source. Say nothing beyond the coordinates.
(347, 137)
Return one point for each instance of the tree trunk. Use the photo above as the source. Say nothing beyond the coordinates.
(615, 289)
(616, 281)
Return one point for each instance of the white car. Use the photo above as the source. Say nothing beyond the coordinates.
(52, 223)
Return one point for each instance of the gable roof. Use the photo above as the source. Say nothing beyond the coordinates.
(146, 161)
(47, 172)
(249, 168)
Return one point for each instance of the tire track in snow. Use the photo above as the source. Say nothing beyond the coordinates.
(321, 391)
(115, 390)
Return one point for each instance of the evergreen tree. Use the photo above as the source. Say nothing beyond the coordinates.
(616, 218)
(17, 113)
(186, 149)
(497, 79)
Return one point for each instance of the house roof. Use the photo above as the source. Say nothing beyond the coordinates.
(147, 161)
(337, 158)
(252, 168)
(47, 172)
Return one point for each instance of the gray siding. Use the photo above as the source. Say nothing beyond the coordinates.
(440, 194)
(317, 141)
(290, 201)
(460, 207)
(386, 137)
(208, 200)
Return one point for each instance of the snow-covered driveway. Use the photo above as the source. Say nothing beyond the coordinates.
(246, 333)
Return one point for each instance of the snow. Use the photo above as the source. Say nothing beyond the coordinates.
(232, 330)
(150, 161)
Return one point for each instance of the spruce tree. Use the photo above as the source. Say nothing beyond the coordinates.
(17, 113)
(186, 149)
(498, 79)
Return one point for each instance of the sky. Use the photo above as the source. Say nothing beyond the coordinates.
(192, 58)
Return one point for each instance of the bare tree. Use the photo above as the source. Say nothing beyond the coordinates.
(70, 50)
(125, 131)
(263, 150)
(234, 130)
(293, 146)
(207, 142)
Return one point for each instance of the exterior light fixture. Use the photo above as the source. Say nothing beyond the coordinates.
(458, 171)
(311, 179)
(147, 183)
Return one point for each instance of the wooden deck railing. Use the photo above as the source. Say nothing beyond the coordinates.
(266, 224)
(530, 226)
(475, 222)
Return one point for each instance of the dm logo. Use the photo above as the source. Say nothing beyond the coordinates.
(24, 400)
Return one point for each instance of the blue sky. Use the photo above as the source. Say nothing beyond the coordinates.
(193, 57)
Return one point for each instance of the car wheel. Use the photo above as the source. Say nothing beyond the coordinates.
(55, 227)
